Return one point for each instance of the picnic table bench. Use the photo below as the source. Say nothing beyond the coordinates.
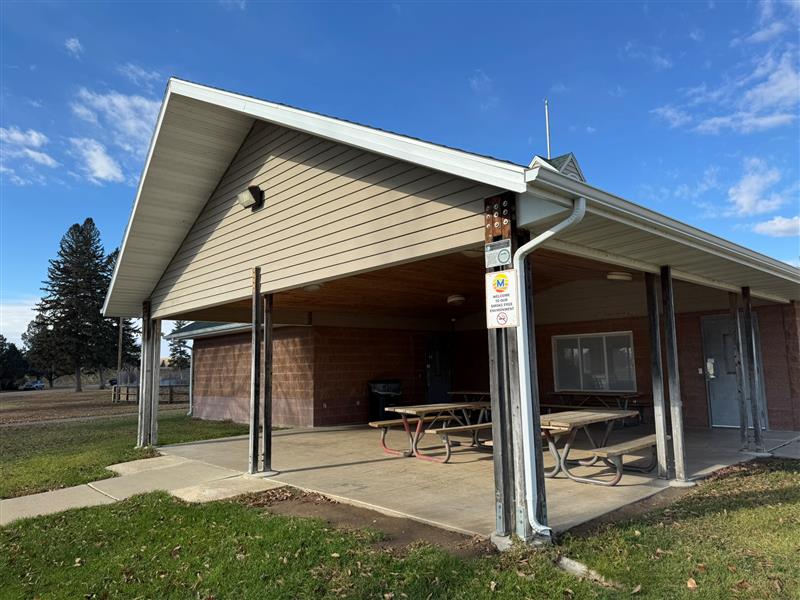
(567, 424)
(387, 424)
(473, 430)
(425, 417)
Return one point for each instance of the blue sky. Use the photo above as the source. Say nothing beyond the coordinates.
(690, 109)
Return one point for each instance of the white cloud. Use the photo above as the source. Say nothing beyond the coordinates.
(480, 82)
(759, 92)
(708, 182)
(618, 92)
(779, 227)
(14, 317)
(483, 87)
(41, 158)
(97, 165)
(74, 47)
(675, 117)
(25, 147)
(590, 130)
(138, 75)
(753, 194)
(17, 137)
(697, 35)
(779, 90)
(128, 119)
(9, 174)
(742, 122)
(653, 55)
(558, 87)
(229, 4)
(765, 34)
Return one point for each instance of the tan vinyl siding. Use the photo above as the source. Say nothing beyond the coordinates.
(330, 210)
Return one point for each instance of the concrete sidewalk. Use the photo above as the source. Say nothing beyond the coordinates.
(190, 480)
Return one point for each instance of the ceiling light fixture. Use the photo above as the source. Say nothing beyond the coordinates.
(619, 276)
(456, 300)
(472, 253)
(312, 287)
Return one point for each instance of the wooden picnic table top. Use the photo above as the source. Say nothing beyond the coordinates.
(572, 419)
(426, 409)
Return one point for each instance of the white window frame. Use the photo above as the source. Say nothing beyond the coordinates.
(578, 336)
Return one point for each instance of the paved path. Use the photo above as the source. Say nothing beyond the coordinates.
(190, 480)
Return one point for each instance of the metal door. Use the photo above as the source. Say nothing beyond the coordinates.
(719, 365)
(439, 367)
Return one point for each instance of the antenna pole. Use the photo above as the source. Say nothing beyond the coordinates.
(547, 126)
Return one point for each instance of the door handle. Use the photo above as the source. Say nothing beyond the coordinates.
(711, 368)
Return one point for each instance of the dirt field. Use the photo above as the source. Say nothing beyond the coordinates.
(48, 405)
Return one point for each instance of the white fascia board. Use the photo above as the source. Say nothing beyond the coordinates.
(623, 211)
(477, 168)
(124, 245)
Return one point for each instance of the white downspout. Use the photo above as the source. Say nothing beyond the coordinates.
(525, 364)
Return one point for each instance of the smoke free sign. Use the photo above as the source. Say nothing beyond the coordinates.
(501, 299)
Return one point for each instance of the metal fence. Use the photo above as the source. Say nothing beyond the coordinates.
(169, 394)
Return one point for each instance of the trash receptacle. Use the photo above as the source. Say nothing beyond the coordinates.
(383, 393)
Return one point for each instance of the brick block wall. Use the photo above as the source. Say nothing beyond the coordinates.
(346, 359)
(221, 374)
(779, 328)
(293, 376)
(222, 377)
(321, 373)
(780, 353)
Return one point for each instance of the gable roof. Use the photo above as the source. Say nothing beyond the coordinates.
(200, 129)
(197, 134)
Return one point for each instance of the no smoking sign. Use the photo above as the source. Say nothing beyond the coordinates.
(501, 299)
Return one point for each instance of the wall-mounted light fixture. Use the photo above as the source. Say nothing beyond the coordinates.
(619, 276)
(252, 197)
(456, 300)
(312, 287)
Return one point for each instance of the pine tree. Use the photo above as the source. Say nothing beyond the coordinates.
(42, 350)
(12, 364)
(77, 281)
(179, 350)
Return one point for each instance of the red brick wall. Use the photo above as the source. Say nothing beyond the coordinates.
(779, 328)
(293, 376)
(221, 374)
(321, 374)
(222, 377)
(780, 352)
(346, 359)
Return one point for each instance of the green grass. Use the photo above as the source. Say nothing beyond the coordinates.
(736, 536)
(37, 458)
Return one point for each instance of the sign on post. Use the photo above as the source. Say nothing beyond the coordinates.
(501, 299)
(498, 254)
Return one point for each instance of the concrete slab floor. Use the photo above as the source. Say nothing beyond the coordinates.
(220, 489)
(347, 464)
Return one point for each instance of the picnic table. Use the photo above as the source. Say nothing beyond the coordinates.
(567, 424)
(442, 418)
